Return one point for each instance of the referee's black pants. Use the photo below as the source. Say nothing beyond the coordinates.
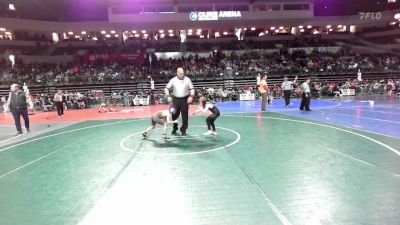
(17, 113)
(305, 101)
(286, 95)
(182, 107)
(60, 108)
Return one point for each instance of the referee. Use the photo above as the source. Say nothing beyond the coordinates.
(306, 95)
(287, 87)
(183, 94)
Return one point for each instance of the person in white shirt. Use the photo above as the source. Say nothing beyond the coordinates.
(306, 95)
(152, 91)
(287, 87)
(151, 84)
(58, 100)
(359, 75)
(4, 103)
(183, 93)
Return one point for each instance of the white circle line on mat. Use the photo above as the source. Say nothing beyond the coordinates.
(122, 144)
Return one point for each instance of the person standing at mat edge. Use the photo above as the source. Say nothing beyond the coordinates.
(18, 103)
(287, 87)
(58, 99)
(264, 91)
(305, 96)
(183, 94)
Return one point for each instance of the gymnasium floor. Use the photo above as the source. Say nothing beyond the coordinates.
(339, 164)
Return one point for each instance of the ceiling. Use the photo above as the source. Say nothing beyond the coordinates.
(96, 10)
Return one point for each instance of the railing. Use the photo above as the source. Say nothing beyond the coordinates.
(210, 79)
(210, 75)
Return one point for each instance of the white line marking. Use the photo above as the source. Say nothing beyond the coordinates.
(365, 106)
(361, 161)
(376, 106)
(36, 160)
(69, 131)
(324, 125)
(364, 110)
(122, 144)
(365, 101)
(362, 117)
(385, 112)
(275, 209)
(221, 107)
(351, 127)
(16, 136)
(366, 131)
(183, 138)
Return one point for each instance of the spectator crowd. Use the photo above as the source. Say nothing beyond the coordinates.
(216, 65)
(211, 65)
(319, 89)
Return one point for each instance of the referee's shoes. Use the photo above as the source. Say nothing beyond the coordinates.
(183, 132)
